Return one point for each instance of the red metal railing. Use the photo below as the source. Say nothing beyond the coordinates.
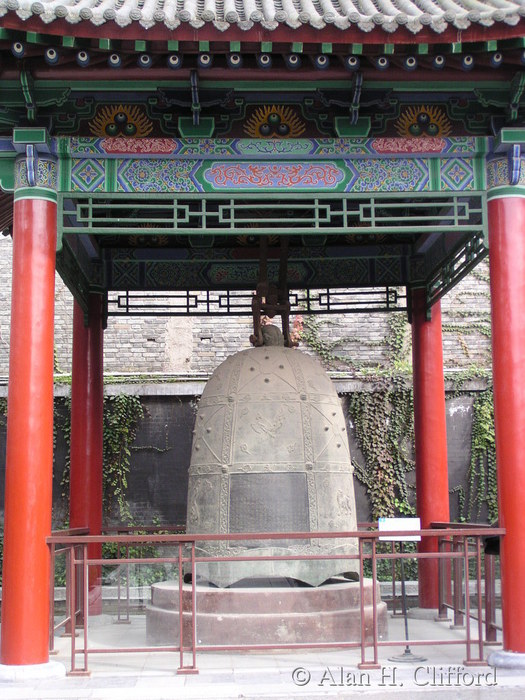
(451, 596)
(459, 546)
(65, 622)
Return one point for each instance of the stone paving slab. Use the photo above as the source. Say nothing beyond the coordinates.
(301, 674)
(327, 680)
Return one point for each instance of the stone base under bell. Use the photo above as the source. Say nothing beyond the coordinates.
(267, 614)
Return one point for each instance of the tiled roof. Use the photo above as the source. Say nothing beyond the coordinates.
(364, 15)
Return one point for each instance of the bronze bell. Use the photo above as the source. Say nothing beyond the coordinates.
(270, 454)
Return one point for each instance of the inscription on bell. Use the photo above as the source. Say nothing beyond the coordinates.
(271, 502)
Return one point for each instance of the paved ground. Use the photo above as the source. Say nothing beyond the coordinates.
(301, 674)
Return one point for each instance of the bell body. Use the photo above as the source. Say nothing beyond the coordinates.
(270, 454)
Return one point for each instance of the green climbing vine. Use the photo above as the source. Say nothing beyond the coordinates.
(382, 418)
(121, 417)
(383, 423)
(3, 411)
(396, 341)
(310, 334)
(62, 422)
(482, 489)
(122, 414)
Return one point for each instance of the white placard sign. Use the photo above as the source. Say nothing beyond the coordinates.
(394, 524)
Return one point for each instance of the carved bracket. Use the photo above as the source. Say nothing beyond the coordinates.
(195, 104)
(31, 164)
(356, 99)
(514, 157)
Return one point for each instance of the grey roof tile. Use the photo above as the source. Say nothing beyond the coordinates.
(365, 15)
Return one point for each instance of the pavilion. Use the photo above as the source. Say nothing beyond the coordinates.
(146, 145)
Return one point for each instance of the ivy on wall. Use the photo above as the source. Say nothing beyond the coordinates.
(383, 422)
(121, 416)
(482, 487)
(382, 418)
(384, 429)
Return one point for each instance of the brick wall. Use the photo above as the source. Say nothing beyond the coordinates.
(197, 345)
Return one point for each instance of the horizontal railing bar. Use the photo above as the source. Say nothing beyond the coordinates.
(188, 537)
(125, 650)
(423, 642)
(260, 647)
(142, 528)
(275, 557)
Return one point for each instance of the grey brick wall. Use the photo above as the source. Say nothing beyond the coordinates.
(197, 345)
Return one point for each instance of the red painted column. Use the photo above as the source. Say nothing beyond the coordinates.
(29, 456)
(430, 431)
(87, 399)
(507, 283)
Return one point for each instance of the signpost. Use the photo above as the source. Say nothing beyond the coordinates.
(393, 525)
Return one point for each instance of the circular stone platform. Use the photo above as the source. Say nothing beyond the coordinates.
(255, 614)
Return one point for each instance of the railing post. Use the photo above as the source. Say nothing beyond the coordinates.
(85, 598)
(123, 619)
(480, 604)
(72, 606)
(444, 577)
(394, 581)
(467, 600)
(52, 598)
(79, 593)
(374, 603)
(193, 607)
(491, 634)
(459, 618)
(362, 603)
(193, 614)
(181, 612)
(374, 663)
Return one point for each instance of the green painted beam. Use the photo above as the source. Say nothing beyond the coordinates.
(105, 44)
(297, 47)
(266, 46)
(510, 136)
(235, 46)
(173, 45)
(490, 46)
(356, 49)
(7, 173)
(326, 48)
(422, 49)
(141, 46)
(204, 45)
(30, 135)
(69, 42)
(518, 43)
(389, 49)
(35, 38)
